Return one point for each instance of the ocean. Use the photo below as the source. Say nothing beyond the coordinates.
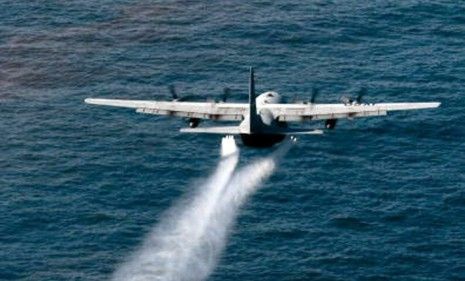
(81, 186)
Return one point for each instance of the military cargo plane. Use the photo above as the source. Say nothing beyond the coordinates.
(265, 118)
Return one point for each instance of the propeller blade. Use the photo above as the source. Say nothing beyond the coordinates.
(315, 93)
(361, 93)
(173, 93)
(293, 100)
(226, 94)
(345, 100)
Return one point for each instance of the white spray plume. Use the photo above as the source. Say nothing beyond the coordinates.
(228, 146)
(242, 185)
(187, 244)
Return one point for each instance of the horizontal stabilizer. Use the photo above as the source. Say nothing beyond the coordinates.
(289, 131)
(232, 130)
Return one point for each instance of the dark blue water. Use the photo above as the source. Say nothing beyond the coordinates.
(377, 199)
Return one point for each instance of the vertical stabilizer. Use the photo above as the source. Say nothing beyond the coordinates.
(253, 117)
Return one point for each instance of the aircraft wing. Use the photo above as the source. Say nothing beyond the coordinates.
(303, 112)
(201, 110)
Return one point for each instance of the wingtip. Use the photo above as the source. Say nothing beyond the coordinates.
(433, 104)
(95, 101)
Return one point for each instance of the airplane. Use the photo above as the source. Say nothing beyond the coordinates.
(264, 119)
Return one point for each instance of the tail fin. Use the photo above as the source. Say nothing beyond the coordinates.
(253, 117)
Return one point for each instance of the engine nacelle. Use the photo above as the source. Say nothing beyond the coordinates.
(194, 122)
(330, 123)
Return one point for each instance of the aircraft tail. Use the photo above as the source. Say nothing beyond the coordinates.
(254, 122)
(253, 125)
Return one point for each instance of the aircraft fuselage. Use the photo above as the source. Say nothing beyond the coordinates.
(261, 140)
(261, 131)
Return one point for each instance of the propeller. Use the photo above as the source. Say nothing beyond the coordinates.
(176, 97)
(361, 93)
(345, 100)
(226, 94)
(224, 97)
(315, 93)
(358, 100)
(173, 93)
